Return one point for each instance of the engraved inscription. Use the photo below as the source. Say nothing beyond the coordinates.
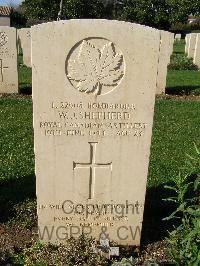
(92, 165)
(96, 119)
(95, 69)
(69, 213)
(2, 70)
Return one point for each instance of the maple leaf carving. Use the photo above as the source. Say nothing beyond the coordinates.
(94, 67)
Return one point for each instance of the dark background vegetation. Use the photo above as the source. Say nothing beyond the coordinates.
(162, 14)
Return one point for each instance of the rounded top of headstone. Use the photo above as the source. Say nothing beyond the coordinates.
(93, 22)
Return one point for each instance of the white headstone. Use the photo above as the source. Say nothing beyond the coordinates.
(197, 51)
(191, 45)
(164, 59)
(8, 60)
(24, 37)
(171, 43)
(93, 103)
(178, 37)
(187, 37)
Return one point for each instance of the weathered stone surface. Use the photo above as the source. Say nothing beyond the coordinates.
(93, 101)
(191, 45)
(8, 60)
(24, 38)
(166, 48)
(197, 51)
(5, 21)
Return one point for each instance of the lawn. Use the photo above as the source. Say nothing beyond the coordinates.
(25, 75)
(176, 129)
(179, 47)
(16, 138)
(182, 82)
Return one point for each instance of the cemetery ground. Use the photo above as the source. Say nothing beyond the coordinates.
(176, 129)
(182, 81)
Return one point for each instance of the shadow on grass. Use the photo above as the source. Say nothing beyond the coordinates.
(14, 191)
(183, 90)
(178, 52)
(154, 228)
(25, 89)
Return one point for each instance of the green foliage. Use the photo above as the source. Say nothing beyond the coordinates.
(40, 9)
(179, 10)
(184, 240)
(125, 262)
(48, 9)
(148, 12)
(74, 252)
(16, 259)
(181, 62)
(186, 27)
(25, 214)
(18, 19)
(157, 13)
(83, 9)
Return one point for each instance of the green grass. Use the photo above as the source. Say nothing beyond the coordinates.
(176, 128)
(16, 138)
(179, 47)
(17, 182)
(182, 82)
(195, 31)
(25, 76)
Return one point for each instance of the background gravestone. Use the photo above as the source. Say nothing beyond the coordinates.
(178, 37)
(197, 51)
(164, 59)
(171, 43)
(24, 38)
(8, 60)
(93, 103)
(191, 45)
(187, 37)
